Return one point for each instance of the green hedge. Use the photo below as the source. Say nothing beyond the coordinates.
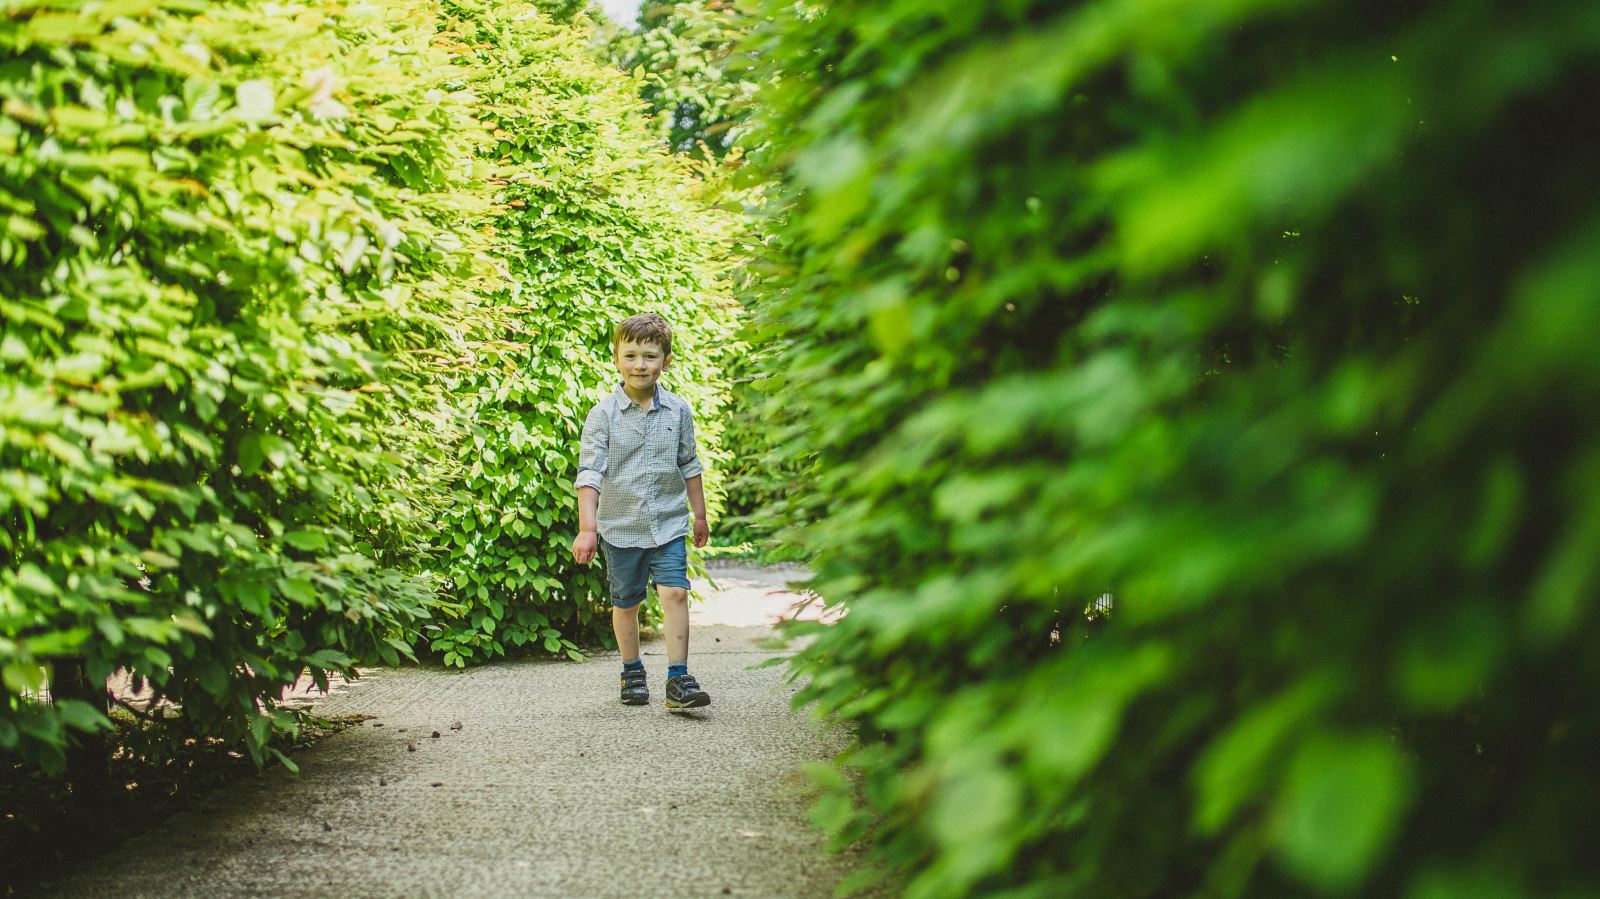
(235, 272)
(295, 298)
(1277, 321)
(601, 223)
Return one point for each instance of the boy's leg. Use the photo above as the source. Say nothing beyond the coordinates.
(627, 569)
(669, 570)
(675, 611)
(683, 690)
(625, 624)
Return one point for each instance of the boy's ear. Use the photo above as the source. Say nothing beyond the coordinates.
(666, 361)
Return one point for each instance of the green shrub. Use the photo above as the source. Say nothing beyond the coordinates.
(600, 223)
(239, 259)
(1275, 320)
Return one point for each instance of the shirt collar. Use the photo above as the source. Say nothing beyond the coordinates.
(623, 398)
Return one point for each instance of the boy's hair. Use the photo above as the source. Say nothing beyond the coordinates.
(646, 327)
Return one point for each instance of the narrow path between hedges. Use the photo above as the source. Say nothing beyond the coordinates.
(549, 786)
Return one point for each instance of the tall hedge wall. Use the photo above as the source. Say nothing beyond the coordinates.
(233, 273)
(601, 222)
(1274, 320)
(277, 283)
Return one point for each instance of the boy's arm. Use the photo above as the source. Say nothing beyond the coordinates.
(587, 541)
(592, 453)
(697, 502)
(689, 467)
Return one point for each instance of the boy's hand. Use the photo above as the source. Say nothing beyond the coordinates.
(702, 532)
(585, 546)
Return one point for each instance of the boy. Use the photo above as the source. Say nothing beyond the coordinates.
(637, 467)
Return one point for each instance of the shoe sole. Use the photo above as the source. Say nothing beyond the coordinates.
(644, 701)
(699, 703)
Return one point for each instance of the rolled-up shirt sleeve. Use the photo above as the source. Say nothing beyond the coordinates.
(688, 456)
(593, 448)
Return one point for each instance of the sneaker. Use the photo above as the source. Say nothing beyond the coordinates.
(683, 692)
(634, 689)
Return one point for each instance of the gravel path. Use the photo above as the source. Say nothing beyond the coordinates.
(549, 787)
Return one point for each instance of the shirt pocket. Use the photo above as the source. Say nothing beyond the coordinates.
(661, 443)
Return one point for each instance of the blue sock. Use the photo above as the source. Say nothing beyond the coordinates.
(635, 665)
(677, 668)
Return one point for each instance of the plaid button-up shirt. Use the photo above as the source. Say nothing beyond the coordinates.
(638, 458)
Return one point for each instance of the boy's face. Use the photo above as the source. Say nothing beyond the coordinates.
(641, 365)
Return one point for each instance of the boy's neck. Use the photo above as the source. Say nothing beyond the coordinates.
(644, 400)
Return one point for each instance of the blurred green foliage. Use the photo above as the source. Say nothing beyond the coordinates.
(1277, 321)
(286, 289)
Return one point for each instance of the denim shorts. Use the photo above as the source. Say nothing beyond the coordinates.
(629, 567)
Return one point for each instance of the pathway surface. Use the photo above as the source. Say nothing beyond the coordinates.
(549, 787)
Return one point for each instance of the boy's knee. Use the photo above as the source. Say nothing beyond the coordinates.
(674, 595)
